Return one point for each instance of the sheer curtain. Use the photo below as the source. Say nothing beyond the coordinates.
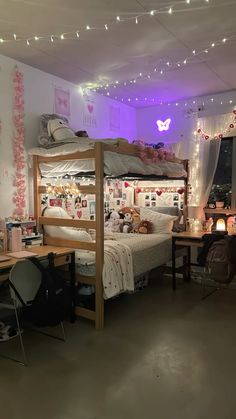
(203, 157)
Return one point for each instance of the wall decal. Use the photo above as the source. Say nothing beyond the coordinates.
(163, 126)
(62, 101)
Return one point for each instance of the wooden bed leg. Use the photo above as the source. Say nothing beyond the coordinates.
(99, 309)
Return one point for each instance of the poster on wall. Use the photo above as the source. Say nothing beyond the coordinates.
(62, 101)
(114, 117)
(89, 112)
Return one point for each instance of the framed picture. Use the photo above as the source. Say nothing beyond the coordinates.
(62, 101)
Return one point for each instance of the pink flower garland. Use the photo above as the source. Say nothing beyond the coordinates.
(19, 181)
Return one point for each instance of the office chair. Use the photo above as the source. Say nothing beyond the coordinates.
(25, 280)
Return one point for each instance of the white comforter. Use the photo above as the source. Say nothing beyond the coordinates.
(114, 164)
(118, 273)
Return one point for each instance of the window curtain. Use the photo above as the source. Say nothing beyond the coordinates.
(203, 157)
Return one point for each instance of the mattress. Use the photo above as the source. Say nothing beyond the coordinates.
(148, 252)
(114, 164)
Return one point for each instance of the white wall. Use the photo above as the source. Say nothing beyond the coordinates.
(183, 123)
(39, 99)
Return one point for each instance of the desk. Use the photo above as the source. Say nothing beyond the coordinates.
(62, 256)
(185, 239)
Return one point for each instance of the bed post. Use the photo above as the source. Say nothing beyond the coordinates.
(99, 186)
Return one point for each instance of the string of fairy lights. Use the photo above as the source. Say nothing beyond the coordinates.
(181, 6)
(163, 67)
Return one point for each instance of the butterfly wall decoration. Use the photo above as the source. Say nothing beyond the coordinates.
(163, 126)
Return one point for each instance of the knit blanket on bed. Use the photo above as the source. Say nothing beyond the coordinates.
(118, 274)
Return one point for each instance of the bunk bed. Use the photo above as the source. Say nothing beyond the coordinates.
(99, 153)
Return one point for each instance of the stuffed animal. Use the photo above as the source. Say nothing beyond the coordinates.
(113, 222)
(59, 130)
(145, 227)
(127, 224)
(135, 222)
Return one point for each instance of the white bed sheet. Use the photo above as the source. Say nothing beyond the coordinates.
(114, 164)
(148, 252)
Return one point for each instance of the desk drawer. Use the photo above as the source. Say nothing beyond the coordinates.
(61, 260)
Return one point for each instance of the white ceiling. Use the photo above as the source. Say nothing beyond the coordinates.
(126, 49)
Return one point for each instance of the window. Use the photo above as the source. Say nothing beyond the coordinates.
(224, 183)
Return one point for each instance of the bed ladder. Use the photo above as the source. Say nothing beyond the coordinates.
(97, 155)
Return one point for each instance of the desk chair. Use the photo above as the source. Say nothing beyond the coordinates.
(25, 280)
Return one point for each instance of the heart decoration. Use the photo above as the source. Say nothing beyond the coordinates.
(206, 137)
(158, 192)
(90, 108)
(180, 191)
(231, 126)
(79, 213)
(199, 130)
(126, 184)
(138, 190)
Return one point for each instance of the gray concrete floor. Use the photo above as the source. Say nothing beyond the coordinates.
(161, 355)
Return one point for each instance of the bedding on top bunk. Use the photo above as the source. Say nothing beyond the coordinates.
(114, 164)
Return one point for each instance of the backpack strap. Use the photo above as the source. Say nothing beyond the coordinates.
(17, 294)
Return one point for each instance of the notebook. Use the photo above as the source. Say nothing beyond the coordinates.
(22, 254)
(4, 258)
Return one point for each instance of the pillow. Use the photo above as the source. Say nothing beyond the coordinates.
(162, 223)
(60, 232)
(167, 210)
(59, 130)
(45, 139)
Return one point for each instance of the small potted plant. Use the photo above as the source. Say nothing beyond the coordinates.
(220, 198)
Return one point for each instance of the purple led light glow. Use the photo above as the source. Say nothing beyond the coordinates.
(163, 126)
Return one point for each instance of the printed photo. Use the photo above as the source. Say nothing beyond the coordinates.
(124, 196)
(118, 202)
(55, 202)
(84, 203)
(92, 217)
(153, 197)
(147, 203)
(176, 197)
(147, 196)
(92, 207)
(153, 204)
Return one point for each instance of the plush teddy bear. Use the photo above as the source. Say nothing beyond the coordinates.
(59, 130)
(145, 227)
(113, 222)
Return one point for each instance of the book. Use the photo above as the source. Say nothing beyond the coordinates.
(21, 254)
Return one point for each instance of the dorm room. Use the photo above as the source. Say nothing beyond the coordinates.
(118, 209)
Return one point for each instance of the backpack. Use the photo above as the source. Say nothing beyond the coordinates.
(52, 302)
(221, 260)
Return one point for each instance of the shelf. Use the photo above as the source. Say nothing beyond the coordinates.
(220, 211)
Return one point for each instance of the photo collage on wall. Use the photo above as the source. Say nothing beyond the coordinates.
(117, 195)
(82, 206)
(165, 199)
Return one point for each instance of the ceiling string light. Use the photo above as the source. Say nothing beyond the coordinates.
(166, 65)
(122, 18)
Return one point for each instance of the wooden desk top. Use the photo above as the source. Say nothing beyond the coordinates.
(41, 251)
(190, 235)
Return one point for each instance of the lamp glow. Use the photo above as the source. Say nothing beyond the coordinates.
(220, 225)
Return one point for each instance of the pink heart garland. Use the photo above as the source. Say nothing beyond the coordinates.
(79, 214)
(90, 108)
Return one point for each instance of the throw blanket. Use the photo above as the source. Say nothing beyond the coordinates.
(118, 269)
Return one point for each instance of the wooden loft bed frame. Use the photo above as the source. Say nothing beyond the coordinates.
(98, 225)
